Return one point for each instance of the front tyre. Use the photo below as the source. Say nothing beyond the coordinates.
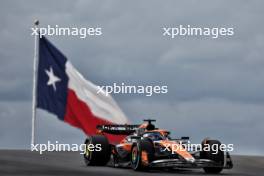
(216, 156)
(96, 157)
(142, 154)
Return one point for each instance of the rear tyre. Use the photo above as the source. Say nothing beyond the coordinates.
(142, 153)
(96, 157)
(218, 157)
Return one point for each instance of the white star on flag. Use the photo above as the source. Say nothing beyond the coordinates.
(52, 78)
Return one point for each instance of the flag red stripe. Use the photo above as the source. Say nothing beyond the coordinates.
(78, 114)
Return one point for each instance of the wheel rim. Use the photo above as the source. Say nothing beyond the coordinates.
(87, 153)
(134, 155)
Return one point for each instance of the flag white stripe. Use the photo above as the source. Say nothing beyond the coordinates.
(102, 106)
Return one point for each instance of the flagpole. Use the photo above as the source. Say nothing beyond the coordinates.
(34, 93)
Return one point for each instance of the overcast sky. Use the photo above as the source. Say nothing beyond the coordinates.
(215, 86)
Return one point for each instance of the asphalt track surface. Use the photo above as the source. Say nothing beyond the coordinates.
(25, 163)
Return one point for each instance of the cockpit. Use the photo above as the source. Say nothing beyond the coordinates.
(155, 136)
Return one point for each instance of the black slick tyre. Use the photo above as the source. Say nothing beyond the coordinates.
(216, 156)
(97, 157)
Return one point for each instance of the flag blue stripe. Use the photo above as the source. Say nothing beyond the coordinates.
(48, 98)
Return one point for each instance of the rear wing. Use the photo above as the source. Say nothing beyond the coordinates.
(118, 129)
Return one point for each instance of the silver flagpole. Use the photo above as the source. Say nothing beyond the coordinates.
(34, 93)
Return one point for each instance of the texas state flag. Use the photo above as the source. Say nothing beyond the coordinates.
(63, 91)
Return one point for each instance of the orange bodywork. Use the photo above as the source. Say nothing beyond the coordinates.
(143, 125)
(162, 132)
(144, 158)
(127, 146)
(176, 148)
(173, 145)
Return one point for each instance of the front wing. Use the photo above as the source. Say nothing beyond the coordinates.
(198, 163)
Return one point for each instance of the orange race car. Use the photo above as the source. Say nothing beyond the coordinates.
(146, 147)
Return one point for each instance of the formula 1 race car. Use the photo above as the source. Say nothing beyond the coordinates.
(146, 147)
